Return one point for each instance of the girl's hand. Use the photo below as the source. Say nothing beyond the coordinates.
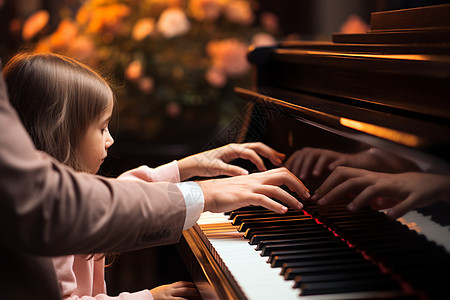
(255, 189)
(176, 291)
(399, 193)
(215, 162)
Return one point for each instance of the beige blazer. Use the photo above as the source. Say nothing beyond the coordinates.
(47, 209)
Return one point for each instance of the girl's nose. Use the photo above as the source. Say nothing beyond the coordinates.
(109, 140)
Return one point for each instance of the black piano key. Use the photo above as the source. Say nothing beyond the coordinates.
(249, 233)
(289, 235)
(300, 246)
(300, 279)
(295, 220)
(344, 253)
(262, 218)
(322, 262)
(281, 253)
(238, 218)
(365, 266)
(262, 244)
(354, 285)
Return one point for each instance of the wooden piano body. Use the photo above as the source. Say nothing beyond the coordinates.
(388, 89)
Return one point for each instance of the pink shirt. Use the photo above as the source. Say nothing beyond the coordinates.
(80, 278)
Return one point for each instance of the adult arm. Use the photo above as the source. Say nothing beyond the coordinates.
(49, 209)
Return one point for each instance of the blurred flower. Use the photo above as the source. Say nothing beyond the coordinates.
(173, 22)
(229, 56)
(195, 52)
(205, 10)
(270, 22)
(173, 110)
(64, 34)
(81, 48)
(263, 39)
(239, 11)
(143, 28)
(103, 18)
(146, 84)
(354, 24)
(133, 71)
(35, 23)
(215, 77)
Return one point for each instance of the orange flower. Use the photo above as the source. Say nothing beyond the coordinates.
(143, 28)
(239, 11)
(205, 10)
(64, 34)
(134, 70)
(35, 23)
(229, 56)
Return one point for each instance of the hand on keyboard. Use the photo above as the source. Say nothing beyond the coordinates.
(255, 189)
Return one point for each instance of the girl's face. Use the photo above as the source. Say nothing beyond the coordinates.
(95, 143)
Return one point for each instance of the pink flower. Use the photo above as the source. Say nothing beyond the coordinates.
(143, 28)
(173, 110)
(134, 70)
(216, 78)
(354, 24)
(173, 22)
(82, 48)
(205, 10)
(239, 11)
(35, 23)
(263, 40)
(146, 84)
(270, 22)
(229, 56)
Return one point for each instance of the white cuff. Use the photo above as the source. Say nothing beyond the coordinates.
(193, 196)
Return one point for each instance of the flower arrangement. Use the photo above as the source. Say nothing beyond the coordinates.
(176, 61)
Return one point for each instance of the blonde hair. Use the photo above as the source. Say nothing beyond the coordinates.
(57, 99)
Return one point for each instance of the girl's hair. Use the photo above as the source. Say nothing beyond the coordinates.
(57, 99)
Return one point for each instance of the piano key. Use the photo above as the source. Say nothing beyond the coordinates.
(283, 235)
(278, 260)
(250, 232)
(354, 285)
(263, 244)
(290, 273)
(297, 220)
(300, 246)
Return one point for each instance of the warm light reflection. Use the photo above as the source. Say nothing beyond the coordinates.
(411, 225)
(383, 132)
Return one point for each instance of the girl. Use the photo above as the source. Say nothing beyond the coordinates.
(66, 107)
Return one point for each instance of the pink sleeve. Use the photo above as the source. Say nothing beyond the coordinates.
(83, 279)
(168, 173)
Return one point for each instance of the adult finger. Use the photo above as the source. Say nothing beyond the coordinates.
(275, 157)
(282, 176)
(337, 177)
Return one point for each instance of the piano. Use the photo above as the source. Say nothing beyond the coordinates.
(386, 90)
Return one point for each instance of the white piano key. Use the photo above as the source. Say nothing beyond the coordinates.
(424, 225)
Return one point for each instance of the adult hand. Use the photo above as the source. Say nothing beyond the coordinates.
(176, 291)
(313, 161)
(255, 189)
(399, 193)
(215, 162)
